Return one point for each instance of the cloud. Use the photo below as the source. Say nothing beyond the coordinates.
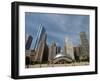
(57, 26)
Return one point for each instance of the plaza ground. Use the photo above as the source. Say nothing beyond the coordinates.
(58, 65)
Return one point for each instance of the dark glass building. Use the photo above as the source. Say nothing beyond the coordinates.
(41, 47)
(40, 36)
(28, 41)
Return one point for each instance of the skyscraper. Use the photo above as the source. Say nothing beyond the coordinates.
(83, 39)
(39, 36)
(52, 51)
(77, 53)
(58, 50)
(84, 46)
(39, 57)
(68, 48)
(45, 53)
(28, 41)
(41, 46)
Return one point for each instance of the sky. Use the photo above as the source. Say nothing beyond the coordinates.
(58, 26)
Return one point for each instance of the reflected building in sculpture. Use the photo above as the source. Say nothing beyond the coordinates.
(61, 58)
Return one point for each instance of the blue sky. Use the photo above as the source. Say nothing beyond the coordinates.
(58, 26)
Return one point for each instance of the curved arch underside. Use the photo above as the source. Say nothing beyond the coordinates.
(62, 60)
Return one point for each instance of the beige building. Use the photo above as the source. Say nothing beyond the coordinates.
(39, 51)
(68, 48)
(52, 51)
(84, 46)
(32, 55)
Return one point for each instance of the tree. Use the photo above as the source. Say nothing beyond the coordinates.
(27, 61)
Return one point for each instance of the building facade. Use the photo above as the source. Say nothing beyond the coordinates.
(40, 36)
(41, 47)
(84, 46)
(52, 51)
(68, 48)
(58, 50)
(77, 53)
(28, 41)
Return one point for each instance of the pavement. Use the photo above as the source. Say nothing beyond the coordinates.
(58, 65)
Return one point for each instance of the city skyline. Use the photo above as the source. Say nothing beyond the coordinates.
(57, 27)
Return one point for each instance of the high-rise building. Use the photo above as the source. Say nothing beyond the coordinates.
(42, 52)
(84, 46)
(58, 50)
(41, 47)
(41, 32)
(28, 41)
(68, 48)
(45, 53)
(83, 39)
(52, 51)
(77, 53)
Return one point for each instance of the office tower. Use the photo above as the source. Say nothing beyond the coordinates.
(39, 36)
(41, 46)
(28, 41)
(52, 51)
(84, 46)
(77, 53)
(68, 48)
(45, 53)
(58, 50)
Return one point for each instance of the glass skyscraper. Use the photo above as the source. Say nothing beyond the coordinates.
(41, 35)
(28, 41)
(40, 46)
